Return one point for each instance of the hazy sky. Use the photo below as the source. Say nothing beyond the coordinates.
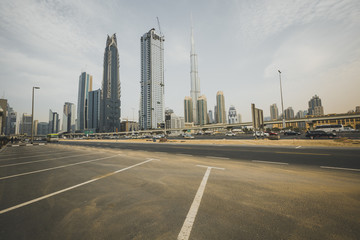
(240, 47)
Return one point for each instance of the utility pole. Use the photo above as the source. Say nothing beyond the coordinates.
(32, 115)
(282, 102)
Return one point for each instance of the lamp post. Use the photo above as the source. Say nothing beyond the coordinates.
(282, 102)
(32, 115)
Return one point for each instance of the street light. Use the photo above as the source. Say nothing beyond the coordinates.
(282, 102)
(32, 115)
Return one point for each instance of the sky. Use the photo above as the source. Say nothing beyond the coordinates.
(241, 45)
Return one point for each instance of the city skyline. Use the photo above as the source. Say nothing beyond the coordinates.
(313, 47)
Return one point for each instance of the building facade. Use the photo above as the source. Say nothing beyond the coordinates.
(274, 112)
(26, 124)
(289, 113)
(68, 124)
(110, 104)
(188, 109)
(151, 113)
(232, 116)
(211, 117)
(3, 105)
(85, 86)
(11, 118)
(220, 113)
(43, 128)
(195, 80)
(315, 106)
(54, 122)
(202, 110)
(94, 110)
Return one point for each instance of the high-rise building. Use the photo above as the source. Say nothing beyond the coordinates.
(54, 122)
(300, 114)
(357, 109)
(94, 110)
(68, 124)
(195, 80)
(315, 106)
(220, 108)
(274, 112)
(168, 113)
(3, 105)
(289, 113)
(10, 121)
(188, 109)
(151, 111)
(26, 124)
(85, 86)
(239, 118)
(211, 117)
(43, 128)
(202, 110)
(1, 117)
(232, 117)
(110, 111)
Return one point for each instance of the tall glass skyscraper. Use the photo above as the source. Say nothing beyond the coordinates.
(188, 109)
(151, 113)
(85, 86)
(195, 80)
(220, 108)
(274, 112)
(315, 106)
(94, 110)
(202, 110)
(68, 124)
(110, 111)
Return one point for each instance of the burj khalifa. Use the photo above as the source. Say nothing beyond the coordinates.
(195, 80)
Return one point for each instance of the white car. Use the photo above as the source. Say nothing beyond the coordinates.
(230, 134)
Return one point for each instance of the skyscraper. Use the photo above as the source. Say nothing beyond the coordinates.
(211, 116)
(54, 122)
(220, 108)
(289, 113)
(202, 110)
(85, 86)
(3, 105)
(195, 80)
(110, 111)
(315, 107)
(68, 124)
(151, 113)
(188, 109)
(94, 110)
(274, 112)
(10, 121)
(26, 124)
(232, 117)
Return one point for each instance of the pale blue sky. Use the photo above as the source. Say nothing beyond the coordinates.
(240, 47)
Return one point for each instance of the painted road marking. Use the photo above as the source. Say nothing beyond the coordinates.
(63, 166)
(298, 147)
(280, 163)
(190, 218)
(70, 188)
(217, 157)
(44, 160)
(186, 155)
(338, 168)
(316, 154)
(35, 155)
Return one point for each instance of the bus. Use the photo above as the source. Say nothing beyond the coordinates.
(330, 128)
(52, 137)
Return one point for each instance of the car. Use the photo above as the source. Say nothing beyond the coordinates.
(289, 133)
(319, 134)
(258, 134)
(188, 136)
(230, 134)
(272, 133)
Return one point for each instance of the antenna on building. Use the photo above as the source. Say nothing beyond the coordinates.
(161, 35)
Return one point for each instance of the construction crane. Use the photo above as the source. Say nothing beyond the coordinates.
(161, 35)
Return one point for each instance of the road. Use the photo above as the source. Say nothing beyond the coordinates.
(163, 191)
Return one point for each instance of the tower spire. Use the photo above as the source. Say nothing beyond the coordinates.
(195, 81)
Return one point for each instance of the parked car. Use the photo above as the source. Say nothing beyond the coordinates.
(230, 134)
(258, 134)
(290, 133)
(319, 134)
(272, 133)
(188, 136)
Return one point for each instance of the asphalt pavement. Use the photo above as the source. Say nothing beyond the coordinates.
(163, 191)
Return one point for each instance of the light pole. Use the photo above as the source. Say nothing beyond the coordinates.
(282, 102)
(32, 115)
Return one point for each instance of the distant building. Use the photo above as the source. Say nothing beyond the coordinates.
(42, 128)
(289, 113)
(177, 122)
(85, 86)
(300, 114)
(220, 108)
(11, 118)
(274, 112)
(239, 118)
(202, 110)
(195, 79)
(232, 117)
(188, 109)
(3, 105)
(110, 104)
(128, 126)
(357, 109)
(152, 113)
(54, 122)
(211, 117)
(94, 110)
(68, 124)
(168, 113)
(26, 124)
(1, 117)
(315, 106)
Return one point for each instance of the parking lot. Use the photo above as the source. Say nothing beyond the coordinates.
(66, 192)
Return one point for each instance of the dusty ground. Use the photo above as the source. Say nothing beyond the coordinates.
(342, 142)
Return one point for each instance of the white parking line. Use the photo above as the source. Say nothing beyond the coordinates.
(280, 163)
(69, 188)
(44, 160)
(190, 218)
(298, 147)
(63, 166)
(49, 153)
(338, 168)
(217, 157)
